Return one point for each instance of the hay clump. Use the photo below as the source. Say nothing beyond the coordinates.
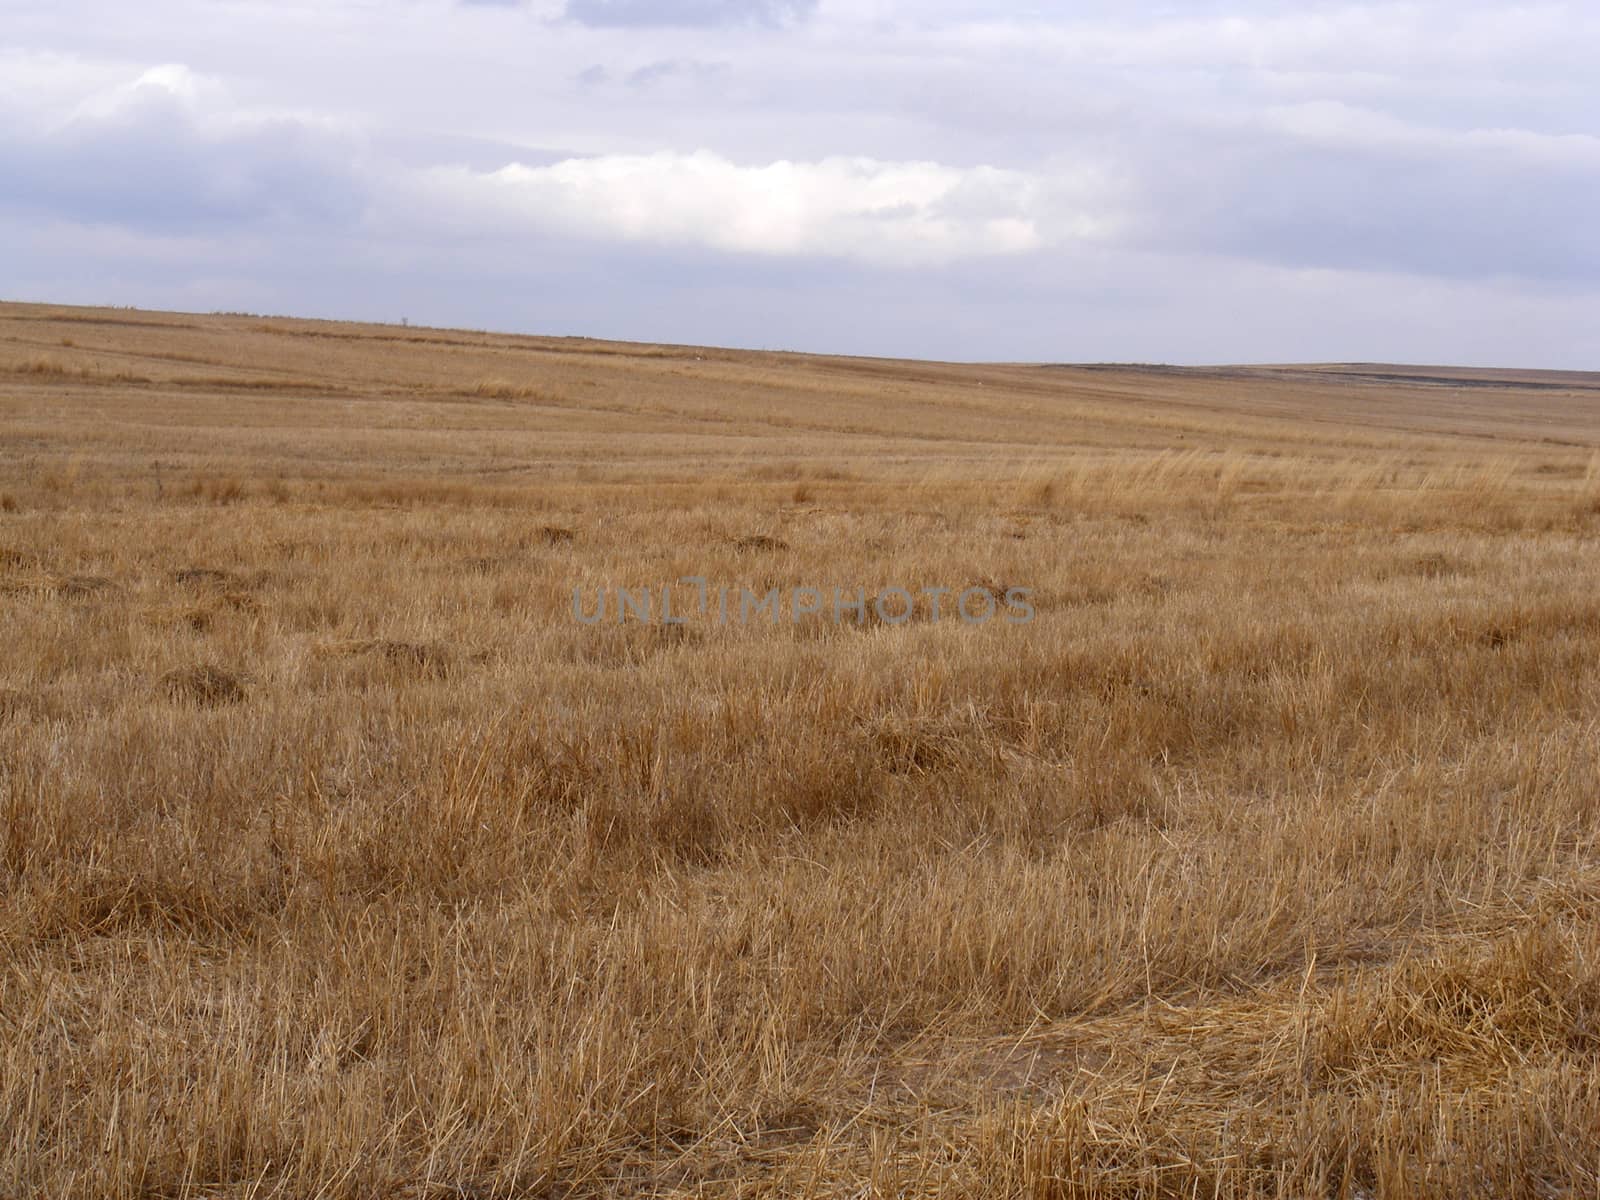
(206, 685)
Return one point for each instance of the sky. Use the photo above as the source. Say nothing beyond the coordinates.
(1208, 182)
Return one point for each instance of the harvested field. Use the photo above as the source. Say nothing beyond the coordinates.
(339, 859)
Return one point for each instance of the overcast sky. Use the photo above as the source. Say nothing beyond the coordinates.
(1200, 182)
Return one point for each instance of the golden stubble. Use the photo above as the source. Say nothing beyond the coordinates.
(339, 860)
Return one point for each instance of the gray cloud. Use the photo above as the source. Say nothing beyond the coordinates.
(152, 156)
(688, 13)
(1339, 189)
(669, 69)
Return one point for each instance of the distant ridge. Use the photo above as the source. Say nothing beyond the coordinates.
(1532, 379)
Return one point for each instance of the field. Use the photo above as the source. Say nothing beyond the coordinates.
(339, 859)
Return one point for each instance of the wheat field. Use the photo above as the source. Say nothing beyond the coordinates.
(340, 860)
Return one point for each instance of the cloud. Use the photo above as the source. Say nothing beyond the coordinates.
(168, 150)
(1331, 185)
(688, 13)
(670, 69)
(897, 213)
(1222, 178)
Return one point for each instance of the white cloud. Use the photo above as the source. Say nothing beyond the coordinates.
(859, 208)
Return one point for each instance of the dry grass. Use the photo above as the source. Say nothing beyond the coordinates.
(204, 684)
(339, 860)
